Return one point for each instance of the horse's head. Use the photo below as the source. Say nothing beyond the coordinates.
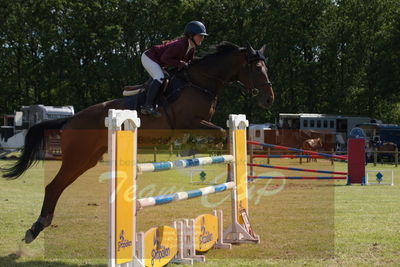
(253, 75)
(233, 63)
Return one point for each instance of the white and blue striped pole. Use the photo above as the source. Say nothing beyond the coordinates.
(164, 199)
(183, 163)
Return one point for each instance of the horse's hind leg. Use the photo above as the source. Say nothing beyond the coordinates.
(75, 163)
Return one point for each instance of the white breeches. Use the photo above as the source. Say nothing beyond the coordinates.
(152, 68)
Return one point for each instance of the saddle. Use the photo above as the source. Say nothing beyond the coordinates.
(130, 90)
(173, 80)
(171, 89)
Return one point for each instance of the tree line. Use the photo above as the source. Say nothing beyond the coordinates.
(323, 56)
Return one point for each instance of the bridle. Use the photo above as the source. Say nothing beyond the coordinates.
(253, 56)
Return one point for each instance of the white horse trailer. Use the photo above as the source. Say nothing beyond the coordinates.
(256, 132)
(15, 127)
(339, 124)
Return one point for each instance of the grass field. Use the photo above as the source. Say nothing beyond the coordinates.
(301, 223)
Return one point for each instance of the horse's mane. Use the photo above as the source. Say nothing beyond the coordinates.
(220, 49)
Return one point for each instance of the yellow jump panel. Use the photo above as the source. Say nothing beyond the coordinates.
(124, 184)
(241, 172)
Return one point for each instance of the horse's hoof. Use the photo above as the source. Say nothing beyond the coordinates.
(28, 237)
(32, 233)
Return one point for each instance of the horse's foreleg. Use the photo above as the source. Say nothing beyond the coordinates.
(72, 167)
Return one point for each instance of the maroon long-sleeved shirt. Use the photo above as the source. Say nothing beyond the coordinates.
(171, 54)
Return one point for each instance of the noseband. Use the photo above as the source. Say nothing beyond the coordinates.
(252, 57)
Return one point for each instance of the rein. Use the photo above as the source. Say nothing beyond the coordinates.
(206, 91)
(252, 89)
(251, 57)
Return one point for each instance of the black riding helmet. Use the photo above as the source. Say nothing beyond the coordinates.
(195, 27)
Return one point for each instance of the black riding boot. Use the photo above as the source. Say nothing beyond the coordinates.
(151, 94)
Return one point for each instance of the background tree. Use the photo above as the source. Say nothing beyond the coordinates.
(326, 56)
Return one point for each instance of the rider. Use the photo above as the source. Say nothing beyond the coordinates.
(175, 53)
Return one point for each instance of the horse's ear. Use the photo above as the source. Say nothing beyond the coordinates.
(250, 49)
(262, 50)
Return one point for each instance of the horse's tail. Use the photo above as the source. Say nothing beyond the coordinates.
(33, 147)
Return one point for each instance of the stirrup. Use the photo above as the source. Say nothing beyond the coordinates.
(146, 110)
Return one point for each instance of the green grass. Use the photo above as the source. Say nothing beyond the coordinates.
(301, 223)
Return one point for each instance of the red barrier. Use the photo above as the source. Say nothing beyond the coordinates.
(300, 177)
(356, 161)
(297, 150)
(294, 169)
(291, 156)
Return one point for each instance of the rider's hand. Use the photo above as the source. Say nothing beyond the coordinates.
(184, 65)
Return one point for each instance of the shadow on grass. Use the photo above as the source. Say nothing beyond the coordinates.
(11, 261)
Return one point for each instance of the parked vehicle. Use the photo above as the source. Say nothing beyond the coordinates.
(15, 127)
(338, 125)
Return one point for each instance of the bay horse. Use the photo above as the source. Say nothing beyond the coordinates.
(313, 145)
(387, 150)
(82, 147)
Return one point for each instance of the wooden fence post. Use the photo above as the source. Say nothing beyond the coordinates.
(251, 153)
